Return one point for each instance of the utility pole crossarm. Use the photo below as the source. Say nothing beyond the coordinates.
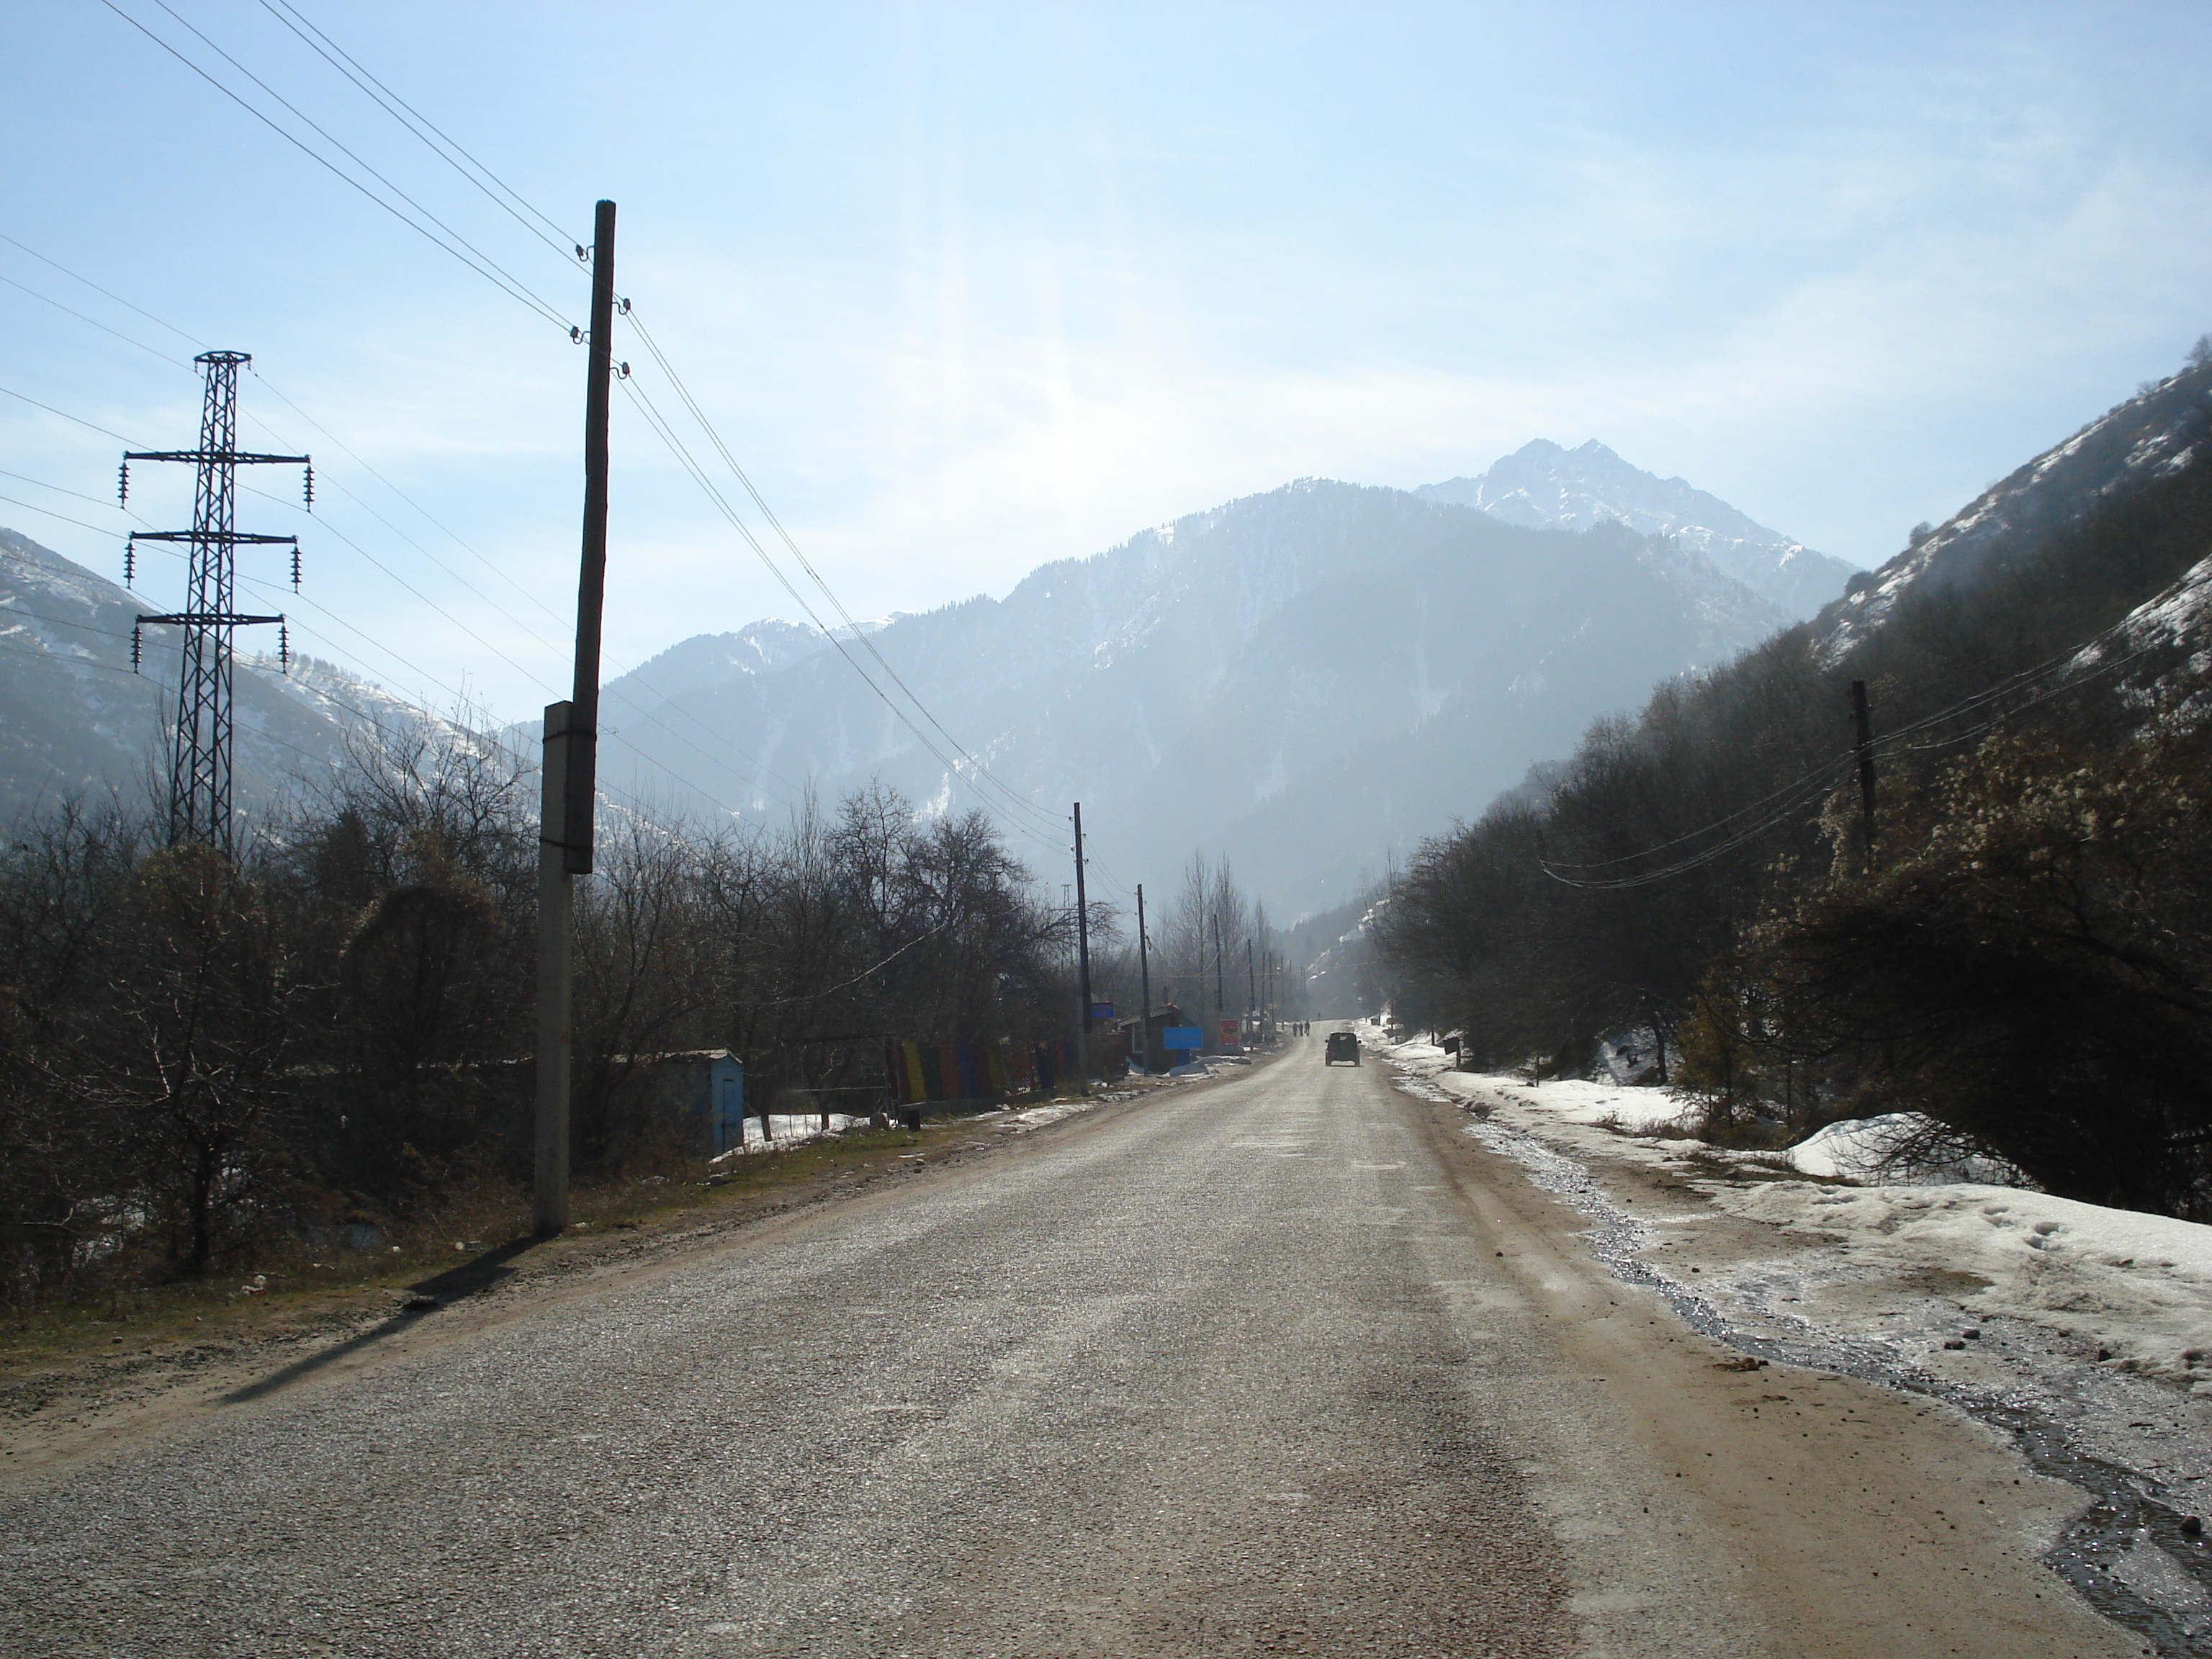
(213, 538)
(207, 457)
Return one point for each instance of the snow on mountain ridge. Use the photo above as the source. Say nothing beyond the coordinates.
(1545, 485)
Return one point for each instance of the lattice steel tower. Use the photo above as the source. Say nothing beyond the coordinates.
(200, 756)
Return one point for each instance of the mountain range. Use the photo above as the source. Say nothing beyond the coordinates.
(1307, 680)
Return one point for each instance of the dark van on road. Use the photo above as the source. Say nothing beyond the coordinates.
(1343, 1046)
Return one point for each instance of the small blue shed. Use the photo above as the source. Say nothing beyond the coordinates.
(705, 1086)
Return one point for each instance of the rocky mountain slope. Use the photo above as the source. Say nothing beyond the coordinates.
(2154, 435)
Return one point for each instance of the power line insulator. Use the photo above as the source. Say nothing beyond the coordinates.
(295, 566)
(575, 334)
(284, 646)
(130, 559)
(122, 484)
(135, 632)
(309, 487)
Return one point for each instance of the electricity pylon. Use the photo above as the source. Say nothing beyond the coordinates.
(200, 756)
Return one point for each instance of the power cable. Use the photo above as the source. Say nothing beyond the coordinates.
(104, 529)
(532, 675)
(479, 263)
(1980, 700)
(659, 425)
(1803, 785)
(60, 490)
(359, 461)
(485, 266)
(96, 323)
(1694, 862)
(8, 611)
(61, 661)
(328, 528)
(77, 419)
(460, 697)
(816, 996)
(1010, 796)
(2059, 690)
(340, 487)
(97, 289)
(260, 585)
(277, 392)
(393, 106)
(417, 122)
(1893, 739)
(620, 696)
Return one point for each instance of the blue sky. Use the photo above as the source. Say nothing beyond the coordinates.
(970, 287)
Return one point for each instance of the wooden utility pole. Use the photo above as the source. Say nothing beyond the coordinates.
(1865, 746)
(1144, 986)
(570, 783)
(1083, 960)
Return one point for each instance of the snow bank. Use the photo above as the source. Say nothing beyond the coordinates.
(2135, 1287)
(789, 1128)
(2138, 1287)
(1878, 1149)
(1602, 1105)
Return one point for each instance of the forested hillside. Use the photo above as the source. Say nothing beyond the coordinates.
(2022, 952)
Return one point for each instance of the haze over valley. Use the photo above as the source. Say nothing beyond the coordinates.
(975, 830)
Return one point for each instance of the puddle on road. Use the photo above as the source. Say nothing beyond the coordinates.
(2125, 1554)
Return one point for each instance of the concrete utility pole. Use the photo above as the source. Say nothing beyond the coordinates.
(1220, 985)
(1865, 722)
(1083, 959)
(1144, 985)
(570, 782)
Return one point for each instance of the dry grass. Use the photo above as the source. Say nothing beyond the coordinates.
(303, 1287)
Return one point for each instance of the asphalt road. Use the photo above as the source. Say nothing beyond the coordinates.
(1281, 1365)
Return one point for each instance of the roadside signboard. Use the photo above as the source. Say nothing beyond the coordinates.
(1231, 1029)
(1182, 1036)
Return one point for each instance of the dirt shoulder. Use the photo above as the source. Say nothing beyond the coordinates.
(93, 1382)
(1854, 1519)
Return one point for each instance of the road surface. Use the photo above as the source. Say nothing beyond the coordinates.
(1281, 1364)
